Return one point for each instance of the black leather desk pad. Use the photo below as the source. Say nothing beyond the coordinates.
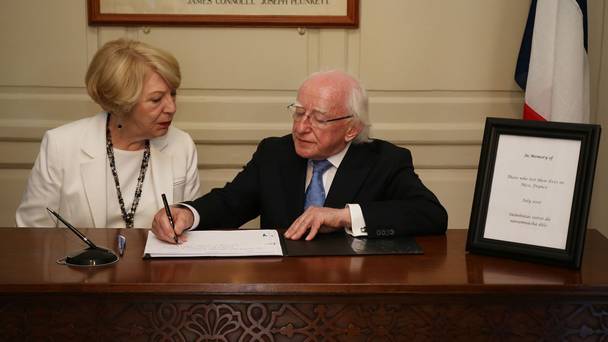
(340, 243)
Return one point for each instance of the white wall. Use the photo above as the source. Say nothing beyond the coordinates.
(435, 70)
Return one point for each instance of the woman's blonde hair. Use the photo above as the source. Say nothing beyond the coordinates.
(117, 72)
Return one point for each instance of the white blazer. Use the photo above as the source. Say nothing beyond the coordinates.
(69, 174)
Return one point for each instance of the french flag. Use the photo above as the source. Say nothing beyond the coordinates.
(552, 66)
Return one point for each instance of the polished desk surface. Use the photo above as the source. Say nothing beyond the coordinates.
(28, 265)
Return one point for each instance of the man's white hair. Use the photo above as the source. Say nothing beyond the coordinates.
(357, 102)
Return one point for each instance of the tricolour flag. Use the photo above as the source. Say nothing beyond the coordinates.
(552, 66)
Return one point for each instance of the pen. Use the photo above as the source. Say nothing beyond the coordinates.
(73, 229)
(168, 211)
(122, 244)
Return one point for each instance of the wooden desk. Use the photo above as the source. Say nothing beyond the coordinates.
(443, 295)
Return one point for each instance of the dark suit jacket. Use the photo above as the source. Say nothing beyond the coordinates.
(378, 176)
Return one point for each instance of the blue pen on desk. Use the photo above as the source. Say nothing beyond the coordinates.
(168, 211)
(122, 243)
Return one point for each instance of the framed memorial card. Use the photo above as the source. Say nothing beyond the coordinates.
(294, 13)
(533, 190)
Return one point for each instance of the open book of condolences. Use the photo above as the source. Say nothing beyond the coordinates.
(217, 243)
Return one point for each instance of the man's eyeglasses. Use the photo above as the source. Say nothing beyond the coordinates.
(316, 117)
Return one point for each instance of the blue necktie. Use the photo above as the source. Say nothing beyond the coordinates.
(315, 193)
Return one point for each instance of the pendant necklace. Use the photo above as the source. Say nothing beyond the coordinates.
(128, 217)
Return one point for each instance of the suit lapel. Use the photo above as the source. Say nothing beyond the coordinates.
(293, 168)
(350, 176)
(161, 170)
(93, 169)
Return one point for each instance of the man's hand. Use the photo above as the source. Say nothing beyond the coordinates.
(183, 219)
(315, 220)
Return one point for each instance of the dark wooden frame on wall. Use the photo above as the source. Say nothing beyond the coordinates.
(571, 256)
(349, 20)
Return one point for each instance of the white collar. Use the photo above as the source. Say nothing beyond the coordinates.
(337, 158)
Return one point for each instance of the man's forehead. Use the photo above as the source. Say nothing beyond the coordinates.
(328, 95)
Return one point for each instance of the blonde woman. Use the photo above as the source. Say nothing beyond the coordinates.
(109, 170)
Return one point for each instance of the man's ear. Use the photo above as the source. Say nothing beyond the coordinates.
(353, 131)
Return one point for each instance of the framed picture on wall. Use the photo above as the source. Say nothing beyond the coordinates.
(294, 13)
(533, 190)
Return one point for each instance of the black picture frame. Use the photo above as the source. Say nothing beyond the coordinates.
(482, 238)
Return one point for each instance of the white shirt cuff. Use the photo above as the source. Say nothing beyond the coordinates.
(357, 221)
(197, 217)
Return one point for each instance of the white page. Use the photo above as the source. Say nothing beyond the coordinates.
(532, 190)
(217, 243)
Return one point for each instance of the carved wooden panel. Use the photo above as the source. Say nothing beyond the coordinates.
(109, 319)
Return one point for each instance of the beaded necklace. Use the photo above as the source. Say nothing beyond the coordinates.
(129, 217)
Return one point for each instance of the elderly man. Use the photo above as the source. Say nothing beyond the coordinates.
(325, 176)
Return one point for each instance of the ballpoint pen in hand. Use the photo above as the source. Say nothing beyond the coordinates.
(168, 211)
